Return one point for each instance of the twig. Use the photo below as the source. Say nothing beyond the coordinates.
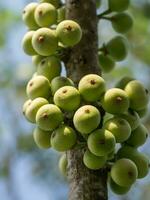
(106, 12)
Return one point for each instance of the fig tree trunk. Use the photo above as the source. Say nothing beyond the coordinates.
(82, 59)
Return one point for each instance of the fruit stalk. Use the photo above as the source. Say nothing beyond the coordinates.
(82, 59)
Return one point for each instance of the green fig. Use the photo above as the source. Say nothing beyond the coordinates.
(118, 5)
(37, 59)
(25, 106)
(42, 138)
(44, 41)
(67, 98)
(124, 172)
(59, 82)
(101, 142)
(119, 127)
(122, 22)
(92, 87)
(106, 62)
(138, 136)
(140, 160)
(86, 119)
(92, 161)
(38, 86)
(50, 67)
(138, 95)
(115, 101)
(117, 48)
(55, 3)
(27, 44)
(132, 117)
(49, 117)
(69, 32)
(117, 189)
(28, 16)
(142, 113)
(123, 82)
(34, 107)
(63, 138)
(45, 15)
(61, 12)
(63, 164)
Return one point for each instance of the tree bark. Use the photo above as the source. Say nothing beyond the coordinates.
(82, 59)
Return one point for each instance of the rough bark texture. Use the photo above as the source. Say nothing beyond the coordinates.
(82, 59)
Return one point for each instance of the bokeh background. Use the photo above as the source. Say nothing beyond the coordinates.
(29, 173)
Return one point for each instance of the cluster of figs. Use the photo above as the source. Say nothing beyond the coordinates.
(106, 121)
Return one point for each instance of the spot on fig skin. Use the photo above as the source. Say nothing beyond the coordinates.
(41, 39)
(92, 82)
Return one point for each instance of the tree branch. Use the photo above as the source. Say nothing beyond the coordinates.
(80, 60)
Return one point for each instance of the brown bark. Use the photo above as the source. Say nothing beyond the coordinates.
(82, 59)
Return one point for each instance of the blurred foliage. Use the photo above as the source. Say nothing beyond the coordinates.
(140, 35)
(7, 20)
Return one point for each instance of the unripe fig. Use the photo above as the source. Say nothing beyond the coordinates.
(132, 118)
(86, 119)
(119, 127)
(63, 164)
(117, 189)
(140, 160)
(55, 3)
(126, 151)
(117, 48)
(37, 59)
(63, 138)
(50, 67)
(106, 62)
(61, 14)
(118, 5)
(138, 136)
(124, 172)
(115, 101)
(138, 95)
(45, 42)
(142, 163)
(45, 15)
(123, 82)
(34, 107)
(122, 22)
(49, 117)
(38, 86)
(69, 32)
(25, 106)
(93, 162)
(28, 16)
(67, 98)
(142, 113)
(42, 138)
(101, 142)
(92, 87)
(27, 44)
(59, 82)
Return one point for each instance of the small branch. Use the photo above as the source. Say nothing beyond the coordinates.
(106, 12)
(103, 49)
(107, 18)
(64, 54)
